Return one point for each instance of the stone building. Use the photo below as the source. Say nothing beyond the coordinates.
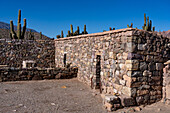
(126, 62)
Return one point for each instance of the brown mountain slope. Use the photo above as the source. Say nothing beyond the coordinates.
(4, 33)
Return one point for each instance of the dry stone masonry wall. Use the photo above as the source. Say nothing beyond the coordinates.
(14, 52)
(131, 63)
(20, 74)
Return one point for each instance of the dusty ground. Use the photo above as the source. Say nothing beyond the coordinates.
(58, 96)
(48, 96)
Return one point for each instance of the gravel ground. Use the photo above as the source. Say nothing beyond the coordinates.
(48, 96)
(58, 96)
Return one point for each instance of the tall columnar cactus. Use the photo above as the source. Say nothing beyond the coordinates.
(24, 29)
(147, 24)
(18, 25)
(62, 34)
(144, 19)
(19, 35)
(12, 32)
(153, 28)
(71, 27)
(68, 34)
(40, 35)
(84, 32)
(77, 32)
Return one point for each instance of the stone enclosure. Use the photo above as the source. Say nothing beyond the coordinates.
(30, 60)
(127, 63)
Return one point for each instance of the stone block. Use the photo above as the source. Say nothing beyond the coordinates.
(159, 66)
(127, 101)
(132, 64)
(126, 91)
(168, 91)
(139, 100)
(142, 92)
(143, 66)
(141, 47)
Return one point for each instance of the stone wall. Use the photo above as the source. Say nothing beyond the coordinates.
(20, 74)
(14, 52)
(131, 62)
(166, 83)
(150, 52)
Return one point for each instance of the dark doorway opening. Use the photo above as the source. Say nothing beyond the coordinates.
(98, 69)
(64, 61)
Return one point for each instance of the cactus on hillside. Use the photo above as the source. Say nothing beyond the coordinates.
(40, 35)
(31, 35)
(19, 35)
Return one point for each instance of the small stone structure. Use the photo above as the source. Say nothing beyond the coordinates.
(127, 63)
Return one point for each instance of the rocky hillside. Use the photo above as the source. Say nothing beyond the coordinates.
(5, 31)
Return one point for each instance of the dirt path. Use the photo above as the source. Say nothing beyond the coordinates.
(48, 96)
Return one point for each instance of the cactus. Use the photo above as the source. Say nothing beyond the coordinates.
(84, 32)
(24, 29)
(40, 35)
(131, 26)
(58, 36)
(31, 35)
(110, 28)
(19, 35)
(71, 27)
(147, 24)
(62, 34)
(12, 32)
(77, 32)
(18, 25)
(153, 28)
(144, 21)
(113, 28)
(68, 34)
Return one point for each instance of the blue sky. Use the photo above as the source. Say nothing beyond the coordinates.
(52, 16)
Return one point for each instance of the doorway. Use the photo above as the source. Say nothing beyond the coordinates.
(98, 70)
